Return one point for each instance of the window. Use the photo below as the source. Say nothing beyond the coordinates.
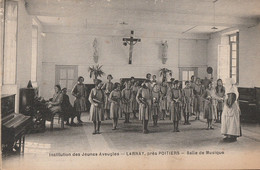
(234, 56)
(34, 53)
(10, 42)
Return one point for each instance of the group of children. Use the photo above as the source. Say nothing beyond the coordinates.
(152, 100)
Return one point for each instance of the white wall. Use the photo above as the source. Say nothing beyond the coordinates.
(249, 54)
(76, 49)
(249, 57)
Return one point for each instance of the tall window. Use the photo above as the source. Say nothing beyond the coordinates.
(234, 56)
(34, 53)
(10, 40)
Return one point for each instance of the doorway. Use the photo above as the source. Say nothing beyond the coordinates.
(186, 73)
(66, 76)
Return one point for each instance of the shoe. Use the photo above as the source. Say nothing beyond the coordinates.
(114, 129)
(73, 124)
(225, 139)
(67, 123)
(145, 131)
(232, 139)
(211, 128)
(94, 133)
(98, 132)
(207, 128)
(188, 123)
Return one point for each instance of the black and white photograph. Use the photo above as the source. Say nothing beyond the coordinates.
(130, 84)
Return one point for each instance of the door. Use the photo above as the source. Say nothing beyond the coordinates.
(186, 73)
(66, 76)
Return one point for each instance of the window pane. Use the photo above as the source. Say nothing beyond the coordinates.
(234, 70)
(63, 83)
(233, 38)
(234, 46)
(63, 74)
(70, 84)
(185, 75)
(191, 73)
(70, 74)
(234, 54)
(234, 62)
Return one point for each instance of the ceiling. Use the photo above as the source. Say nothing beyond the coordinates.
(171, 16)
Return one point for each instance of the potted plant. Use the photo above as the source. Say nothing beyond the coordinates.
(95, 72)
(163, 72)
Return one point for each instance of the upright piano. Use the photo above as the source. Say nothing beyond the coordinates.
(14, 126)
(249, 102)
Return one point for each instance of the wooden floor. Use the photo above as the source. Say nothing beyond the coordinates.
(60, 149)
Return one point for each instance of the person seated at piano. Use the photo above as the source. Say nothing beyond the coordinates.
(54, 104)
(67, 109)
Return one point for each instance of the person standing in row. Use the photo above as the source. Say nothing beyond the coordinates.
(107, 88)
(114, 98)
(153, 80)
(135, 105)
(143, 97)
(220, 92)
(175, 98)
(179, 86)
(210, 98)
(197, 99)
(126, 101)
(163, 99)
(80, 92)
(97, 98)
(155, 103)
(187, 93)
(169, 87)
(132, 81)
(192, 86)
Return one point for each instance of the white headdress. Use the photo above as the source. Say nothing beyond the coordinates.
(231, 87)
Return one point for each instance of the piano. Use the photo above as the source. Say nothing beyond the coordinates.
(14, 126)
(249, 104)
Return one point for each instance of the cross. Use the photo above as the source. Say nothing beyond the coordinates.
(131, 41)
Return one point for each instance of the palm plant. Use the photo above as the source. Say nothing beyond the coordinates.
(163, 72)
(95, 72)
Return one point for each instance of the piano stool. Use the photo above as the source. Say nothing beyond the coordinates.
(60, 117)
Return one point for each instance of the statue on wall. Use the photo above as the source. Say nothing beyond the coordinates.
(164, 51)
(95, 46)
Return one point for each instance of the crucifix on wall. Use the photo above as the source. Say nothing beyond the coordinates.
(131, 41)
